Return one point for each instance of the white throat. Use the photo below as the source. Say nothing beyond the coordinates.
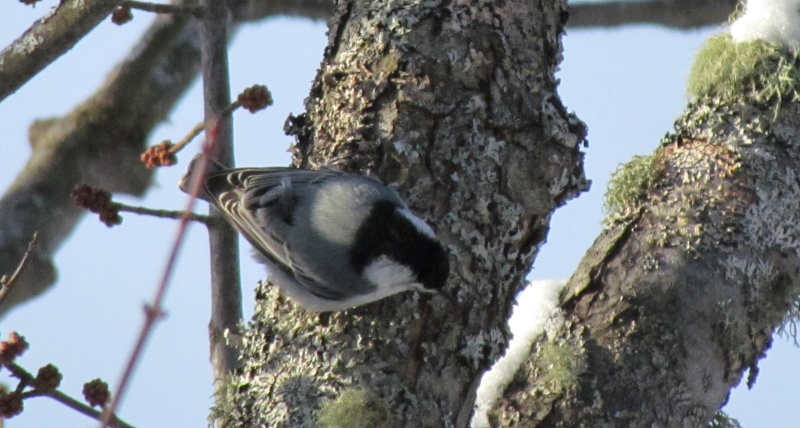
(389, 276)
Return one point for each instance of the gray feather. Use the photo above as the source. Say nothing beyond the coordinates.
(299, 221)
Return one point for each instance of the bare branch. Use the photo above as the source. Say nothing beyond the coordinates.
(82, 408)
(253, 98)
(669, 13)
(176, 215)
(226, 293)
(54, 34)
(49, 38)
(178, 9)
(256, 10)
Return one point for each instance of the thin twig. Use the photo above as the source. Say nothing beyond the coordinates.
(6, 282)
(25, 378)
(683, 14)
(174, 9)
(194, 132)
(200, 127)
(177, 215)
(85, 409)
(230, 108)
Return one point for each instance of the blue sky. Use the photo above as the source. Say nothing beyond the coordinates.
(627, 84)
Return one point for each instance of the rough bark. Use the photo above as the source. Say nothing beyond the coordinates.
(681, 296)
(454, 104)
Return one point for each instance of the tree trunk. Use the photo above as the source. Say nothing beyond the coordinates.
(454, 104)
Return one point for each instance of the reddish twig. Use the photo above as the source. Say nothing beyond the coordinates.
(153, 311)
(226, 292)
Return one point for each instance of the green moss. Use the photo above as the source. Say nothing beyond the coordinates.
(628, 184)
(754, 69)
(562, 364)
(354, 408)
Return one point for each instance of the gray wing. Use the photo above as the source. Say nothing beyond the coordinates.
(261, 204)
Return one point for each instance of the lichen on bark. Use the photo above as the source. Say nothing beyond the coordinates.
(454, 104)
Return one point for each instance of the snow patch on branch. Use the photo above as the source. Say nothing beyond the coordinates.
(775, 21)
(536, 310)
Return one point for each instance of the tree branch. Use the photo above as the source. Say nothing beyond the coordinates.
(196, 11)
(682, 293)
(257, 10)
(175, 215)
(76, 405)
(49, 38)
(226, 292)
(682, 14)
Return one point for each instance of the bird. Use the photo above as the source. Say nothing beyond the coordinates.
(330, 240)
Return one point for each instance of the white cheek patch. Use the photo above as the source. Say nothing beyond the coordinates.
(417, 222)
(387, 274)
